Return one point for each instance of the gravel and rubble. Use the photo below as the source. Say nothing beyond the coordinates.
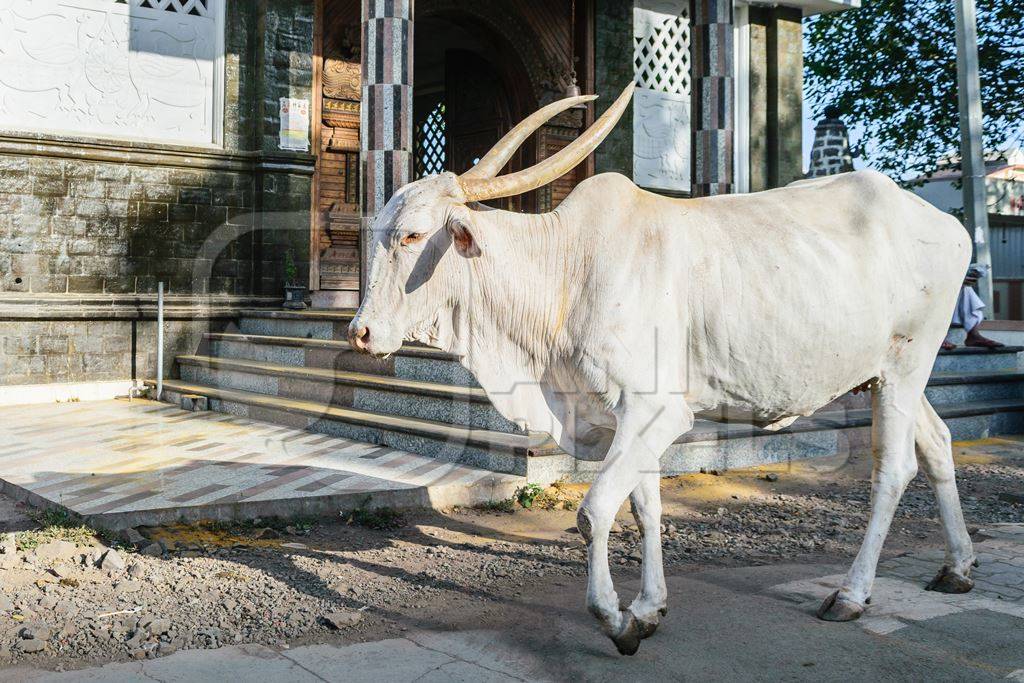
(150, 592)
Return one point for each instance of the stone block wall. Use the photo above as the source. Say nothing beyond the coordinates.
(61, 351)
(94, 227)
(613, 69)
(88, 227)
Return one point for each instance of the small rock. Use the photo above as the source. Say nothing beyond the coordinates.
(54, 550)
(343, 619)
(158, 626)
(111, 561)
(36, 632)
(8, 544)
(32, 645)
(136, 571)
(124, 587)
(771, 476)
(153, 550)
(47, 602)
(266, 533)
(132, 537)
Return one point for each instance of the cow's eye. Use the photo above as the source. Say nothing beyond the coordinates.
(411, 238)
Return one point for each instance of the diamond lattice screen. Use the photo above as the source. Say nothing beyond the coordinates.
(197, 8)
(430, 143)
(661, 52)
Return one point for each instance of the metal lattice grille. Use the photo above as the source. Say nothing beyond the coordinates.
(661, 51)
(197, 8)
(430, 142)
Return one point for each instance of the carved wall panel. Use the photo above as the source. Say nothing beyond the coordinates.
(127, 69)
(661, 105)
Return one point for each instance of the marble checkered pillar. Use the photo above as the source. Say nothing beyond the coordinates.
(385, 129)
(712, 64)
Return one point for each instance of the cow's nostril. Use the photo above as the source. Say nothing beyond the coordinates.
(360, 338)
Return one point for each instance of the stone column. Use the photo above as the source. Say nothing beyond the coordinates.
(385, 129)
(712, 63)
(776, 97)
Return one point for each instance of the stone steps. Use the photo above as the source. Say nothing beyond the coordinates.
(435, 401)
(967, 360)
(294, 367)
(493, 450)
(409, 362)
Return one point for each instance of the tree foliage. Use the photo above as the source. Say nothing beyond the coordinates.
(890, 67)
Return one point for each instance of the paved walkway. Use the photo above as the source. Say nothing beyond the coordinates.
(746, 624)
(126, 464)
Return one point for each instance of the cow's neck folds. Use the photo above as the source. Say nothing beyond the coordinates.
(523, 290)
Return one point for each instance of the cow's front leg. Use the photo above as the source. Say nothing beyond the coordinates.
(642, 435)
(650, 604)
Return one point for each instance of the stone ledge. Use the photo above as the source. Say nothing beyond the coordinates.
(127, 307)
(154, 154)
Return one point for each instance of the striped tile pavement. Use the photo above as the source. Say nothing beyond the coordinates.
(121, 463)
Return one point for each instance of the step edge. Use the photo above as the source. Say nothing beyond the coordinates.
(346, 377)
(275, 340)
(518, 444)
(852, 419)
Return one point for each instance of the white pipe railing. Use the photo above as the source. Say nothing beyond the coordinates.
(159, 340)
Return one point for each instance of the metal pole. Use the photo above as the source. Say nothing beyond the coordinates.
(159, 340)
(972, 154)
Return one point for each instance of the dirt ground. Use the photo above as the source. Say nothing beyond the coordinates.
(66, 602)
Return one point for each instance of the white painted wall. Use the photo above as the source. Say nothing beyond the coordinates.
(134, 70)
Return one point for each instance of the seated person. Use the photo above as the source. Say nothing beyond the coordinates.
(968, 313)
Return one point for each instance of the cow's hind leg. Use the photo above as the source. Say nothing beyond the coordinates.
(894, 412)
(650, 604)
(935, 456)
(642, 434)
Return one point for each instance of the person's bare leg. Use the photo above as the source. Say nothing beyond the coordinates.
(948, 344)
(975, 338)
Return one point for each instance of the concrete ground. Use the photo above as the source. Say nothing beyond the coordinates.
(749, 623)
(146, 463)
(480, 595)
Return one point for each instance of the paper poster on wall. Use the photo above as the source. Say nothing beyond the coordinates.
(294, 124)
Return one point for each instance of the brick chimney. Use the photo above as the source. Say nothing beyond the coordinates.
(831, 151)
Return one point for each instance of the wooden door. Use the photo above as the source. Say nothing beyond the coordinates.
(477, 113)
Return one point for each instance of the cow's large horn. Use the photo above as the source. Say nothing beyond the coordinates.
(495, 160)
(555, 166)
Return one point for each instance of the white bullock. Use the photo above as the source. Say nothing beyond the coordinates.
(630, 311)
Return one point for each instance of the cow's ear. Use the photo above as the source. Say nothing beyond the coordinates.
(462, 236)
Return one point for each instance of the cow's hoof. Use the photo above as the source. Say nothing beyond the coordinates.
(836, 608)
(647, 628)
(948, 581)
(627, 639)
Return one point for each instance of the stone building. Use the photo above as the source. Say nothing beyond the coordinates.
(210, 144)
(830, 151)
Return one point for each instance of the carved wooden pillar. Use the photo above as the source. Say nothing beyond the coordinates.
(386, 141)
(712, 66)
